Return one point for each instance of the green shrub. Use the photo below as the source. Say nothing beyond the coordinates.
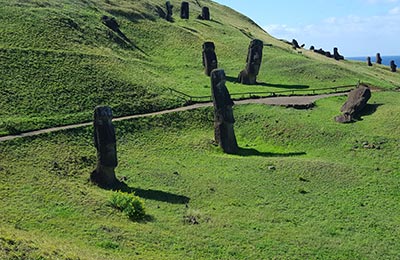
(128, 203)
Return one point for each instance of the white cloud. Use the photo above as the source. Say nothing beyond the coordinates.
(395, 10)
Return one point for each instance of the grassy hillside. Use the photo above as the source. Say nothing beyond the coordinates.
(303, 187)
(58, 61)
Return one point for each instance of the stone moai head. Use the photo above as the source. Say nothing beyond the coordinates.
(254, 57)
(210, 61)
(393, 66)
(336, 54)
(205, 13)
(169, 8)
(185, 10)
(378, 58)
(369, 63)
(105, 143)
(104, 136)
(223, 114)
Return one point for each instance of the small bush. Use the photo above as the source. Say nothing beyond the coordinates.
(130, 204)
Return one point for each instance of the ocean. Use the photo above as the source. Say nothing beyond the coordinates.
(385, 59)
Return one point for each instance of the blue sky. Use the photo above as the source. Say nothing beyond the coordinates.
(356, 27)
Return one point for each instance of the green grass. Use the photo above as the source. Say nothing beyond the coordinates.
(303, 187)
(58, 61)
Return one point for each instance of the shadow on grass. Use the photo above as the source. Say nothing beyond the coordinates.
(369, 109)
(254, 152)
(155, 195)
(263, 84)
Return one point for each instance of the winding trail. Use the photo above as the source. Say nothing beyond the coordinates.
(276, 101)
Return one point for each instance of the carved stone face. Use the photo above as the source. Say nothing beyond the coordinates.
(103, 115)
(208, 46)
(218, 77)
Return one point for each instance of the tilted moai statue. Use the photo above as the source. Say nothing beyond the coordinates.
(205, 13)
(378, 58)
(369, 61)
(105, 143)
(393, 66)
(223, 114)
(336, 54)
(169, 7)
(355, 103)
(248, 76)
(185, 10)
(295, 44)
(210, 61)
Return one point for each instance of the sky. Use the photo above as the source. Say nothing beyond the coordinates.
(356, 27)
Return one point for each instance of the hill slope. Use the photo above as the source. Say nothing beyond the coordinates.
(58, 61)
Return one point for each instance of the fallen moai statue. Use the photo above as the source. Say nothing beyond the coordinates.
(356, 102)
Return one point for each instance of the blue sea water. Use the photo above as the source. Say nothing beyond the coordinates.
(385, 59)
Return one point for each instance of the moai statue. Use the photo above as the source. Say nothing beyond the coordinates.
(205, 13)
(169, 7)
(295, 44)
(354, 105)
(336, 54)
(393, 66)
(105, 143)
(223, 114)
(185, 10)
(378, 58)
(369, 61)
(209, 58)
(248, 76)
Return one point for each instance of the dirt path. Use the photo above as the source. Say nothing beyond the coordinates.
(278, 101)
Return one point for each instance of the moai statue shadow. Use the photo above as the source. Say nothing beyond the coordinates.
(205, 14)
(210, 61)
(336, 54)
(356, 102)
(105, 143)
(369, 63)
(378, 58)
(393, 66)
(223, 114)
(169, 8)
(185, 10)
(248, 76)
